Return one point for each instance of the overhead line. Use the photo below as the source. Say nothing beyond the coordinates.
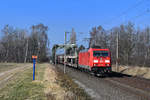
(141, 14)
(126, 11)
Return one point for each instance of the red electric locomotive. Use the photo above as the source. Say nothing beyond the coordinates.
(95, 60)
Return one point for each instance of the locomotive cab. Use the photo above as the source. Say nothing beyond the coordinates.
(96, 60)
(101, 61)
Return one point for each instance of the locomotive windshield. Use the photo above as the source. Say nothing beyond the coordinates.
(100, 53)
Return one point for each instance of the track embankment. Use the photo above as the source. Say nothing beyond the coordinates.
(117, 86)
(143, 72)
(61, 87)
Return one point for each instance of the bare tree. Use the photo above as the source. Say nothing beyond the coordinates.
(134, 44)
(15, 46)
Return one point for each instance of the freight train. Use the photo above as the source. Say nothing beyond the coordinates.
(94, 60)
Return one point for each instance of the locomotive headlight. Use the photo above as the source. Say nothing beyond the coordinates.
(95, 61)
(107, 61)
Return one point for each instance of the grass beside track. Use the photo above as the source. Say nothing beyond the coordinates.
(22, 87)
(69, 85)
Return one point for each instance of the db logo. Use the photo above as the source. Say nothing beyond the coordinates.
(101, 60)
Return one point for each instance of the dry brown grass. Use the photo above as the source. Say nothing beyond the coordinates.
(52, 89)
(135, 71)
(59, 86)
(73, 91)
(49, 84)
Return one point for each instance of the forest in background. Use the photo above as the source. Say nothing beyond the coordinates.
(133, 43)
(18, 45)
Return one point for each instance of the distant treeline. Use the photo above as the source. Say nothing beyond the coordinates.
(18, 45)
(134, 43)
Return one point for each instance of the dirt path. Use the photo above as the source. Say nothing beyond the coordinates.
(7, 75)
(50, 84)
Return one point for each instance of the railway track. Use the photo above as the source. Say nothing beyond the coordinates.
(124, 86)
(132, 84)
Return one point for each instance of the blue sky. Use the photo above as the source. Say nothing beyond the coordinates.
(62, 15)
